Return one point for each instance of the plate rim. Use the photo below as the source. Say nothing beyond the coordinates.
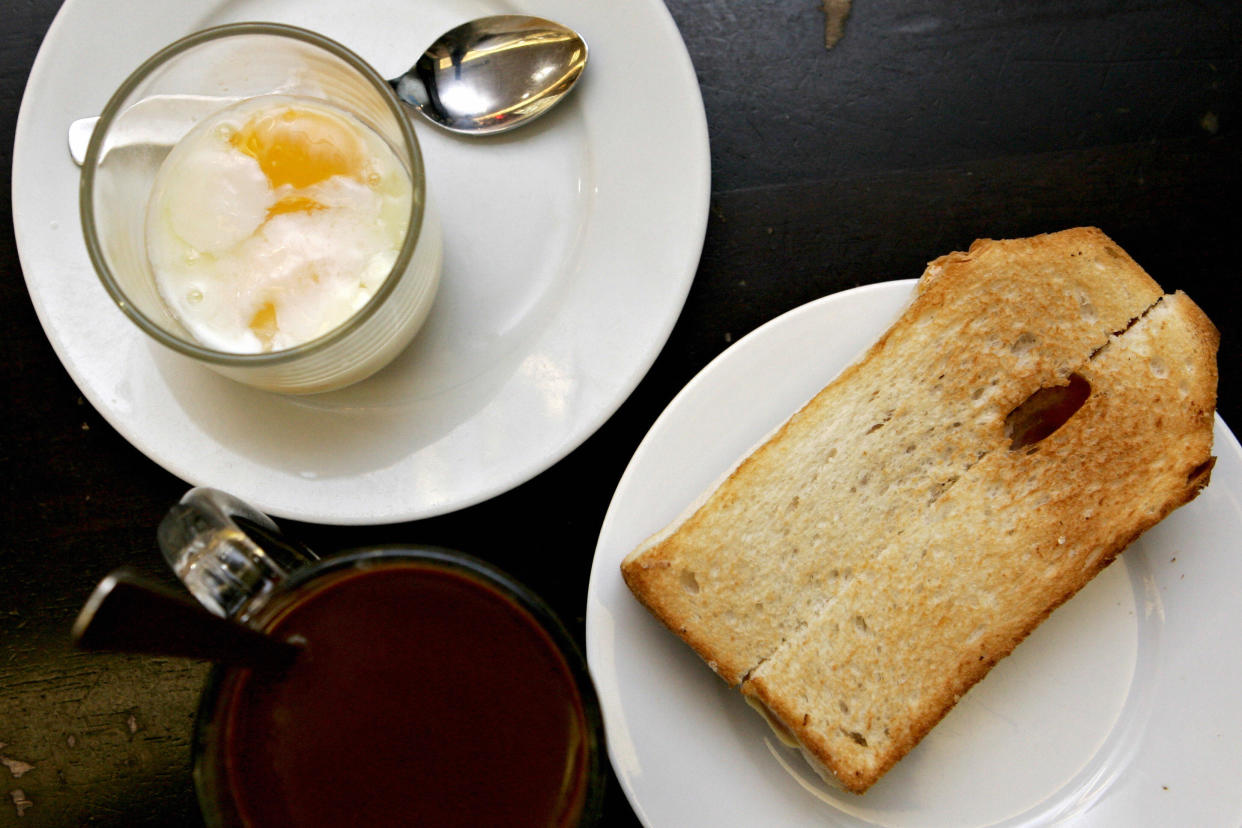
(602, 636)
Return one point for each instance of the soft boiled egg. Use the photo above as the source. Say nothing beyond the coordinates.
(273, 221)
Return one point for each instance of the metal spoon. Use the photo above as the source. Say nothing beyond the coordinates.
(483, 77)
(494, 74)
(125, 613)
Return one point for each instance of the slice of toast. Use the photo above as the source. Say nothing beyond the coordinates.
(906, 528)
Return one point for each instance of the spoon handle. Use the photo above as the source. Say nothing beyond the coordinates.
(126, 613)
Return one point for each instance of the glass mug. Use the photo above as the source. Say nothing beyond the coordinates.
(432, 689)
(198, 77)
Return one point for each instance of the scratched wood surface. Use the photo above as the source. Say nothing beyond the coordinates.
(927, 125)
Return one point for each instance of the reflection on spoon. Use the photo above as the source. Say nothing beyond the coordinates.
(494, 74)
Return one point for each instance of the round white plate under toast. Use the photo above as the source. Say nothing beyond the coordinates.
(1120, 710)
(569, 248)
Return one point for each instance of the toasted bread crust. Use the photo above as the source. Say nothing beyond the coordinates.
(982, 541)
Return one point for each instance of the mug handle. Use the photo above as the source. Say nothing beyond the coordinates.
(228, 554)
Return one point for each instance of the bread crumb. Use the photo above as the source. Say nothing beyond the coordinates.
(835, 13)
(20, 802)
(16, 766)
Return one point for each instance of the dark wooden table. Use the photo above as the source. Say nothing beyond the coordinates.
(930, 123)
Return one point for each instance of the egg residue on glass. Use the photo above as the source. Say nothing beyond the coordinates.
(273, 221)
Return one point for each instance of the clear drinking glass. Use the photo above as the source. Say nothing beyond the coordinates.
(432, 688)
(192, 79)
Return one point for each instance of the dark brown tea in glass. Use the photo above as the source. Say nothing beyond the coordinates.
(432, 690)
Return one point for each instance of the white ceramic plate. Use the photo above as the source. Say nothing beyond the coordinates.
(1120, 710)
(569, 249)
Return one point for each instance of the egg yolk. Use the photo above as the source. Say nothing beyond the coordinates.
(294, 204)
(264, 325)
(300, 147)
(296, 148)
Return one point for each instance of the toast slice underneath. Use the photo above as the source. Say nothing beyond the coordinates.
(866, 678)
(846, 572)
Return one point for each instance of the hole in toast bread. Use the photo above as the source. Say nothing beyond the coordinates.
(887, 416)
(689, 582)
(1045, 411)
(941, 487)
(855, 736)
(1022, 344)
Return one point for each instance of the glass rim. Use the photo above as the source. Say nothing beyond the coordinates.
(209, 789)
(192, 348)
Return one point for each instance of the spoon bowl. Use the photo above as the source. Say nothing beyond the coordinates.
(494, 74)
